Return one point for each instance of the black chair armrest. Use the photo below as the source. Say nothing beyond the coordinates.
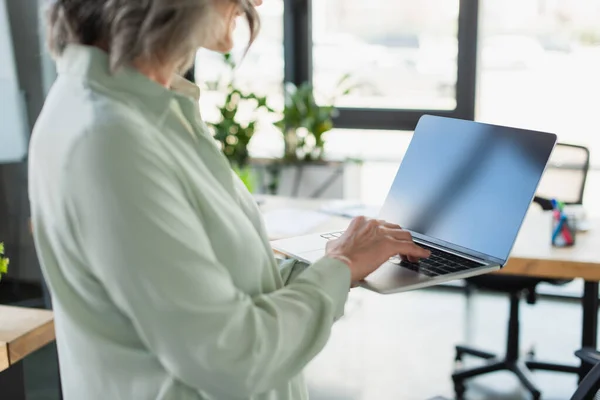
(543, 202)
(589, 386)
(588, 355)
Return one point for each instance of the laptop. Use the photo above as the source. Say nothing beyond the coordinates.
(462, 190)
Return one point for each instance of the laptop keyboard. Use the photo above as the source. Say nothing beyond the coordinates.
(440, 262)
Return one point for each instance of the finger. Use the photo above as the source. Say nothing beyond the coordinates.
(257, 2)
(389, 225)
(398, 234)
(409, 259)
(411, 250)
(356, 222)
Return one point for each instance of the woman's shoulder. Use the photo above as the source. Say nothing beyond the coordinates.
(82, 122)
(74, 110)
(114, 132)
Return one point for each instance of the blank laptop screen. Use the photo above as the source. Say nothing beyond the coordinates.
(468, 184)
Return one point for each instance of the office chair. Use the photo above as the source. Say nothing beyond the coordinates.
(565, 176)
(589, 387)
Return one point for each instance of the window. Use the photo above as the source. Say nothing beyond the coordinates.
(400, 54)
(540, 67)
(405, 58)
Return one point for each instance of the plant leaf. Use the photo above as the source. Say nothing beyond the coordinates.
(3, 261)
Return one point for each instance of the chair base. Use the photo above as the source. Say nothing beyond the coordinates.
(522, 369)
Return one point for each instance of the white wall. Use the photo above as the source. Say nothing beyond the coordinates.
(35, 73)
(13, 127)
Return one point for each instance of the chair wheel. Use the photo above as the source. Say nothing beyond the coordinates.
(459, 390)
(458, 365)
(459, 355)
(531, 353)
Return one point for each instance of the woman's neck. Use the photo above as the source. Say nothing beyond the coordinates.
(161, 75)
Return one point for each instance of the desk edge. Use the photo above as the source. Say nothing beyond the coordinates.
(4, 361)
(26, 342)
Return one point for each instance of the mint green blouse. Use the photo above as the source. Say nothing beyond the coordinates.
(162, 277)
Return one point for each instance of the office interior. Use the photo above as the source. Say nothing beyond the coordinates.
(373, 68)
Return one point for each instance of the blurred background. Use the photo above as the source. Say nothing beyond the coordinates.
(322, 106)
(537, 64)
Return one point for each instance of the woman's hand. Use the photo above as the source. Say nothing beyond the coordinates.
(368, 243)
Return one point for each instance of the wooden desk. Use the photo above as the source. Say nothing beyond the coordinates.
(22, 331)
(532, 255)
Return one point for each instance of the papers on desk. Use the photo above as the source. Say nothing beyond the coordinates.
(350, 209)
(290, 222)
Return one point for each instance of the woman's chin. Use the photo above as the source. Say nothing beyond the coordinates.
(223, 46)
(226, 48)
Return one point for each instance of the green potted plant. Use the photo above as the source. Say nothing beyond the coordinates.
(3, 261)
(233, 134)
(304, 124)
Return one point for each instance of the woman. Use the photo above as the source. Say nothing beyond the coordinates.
(163, 282)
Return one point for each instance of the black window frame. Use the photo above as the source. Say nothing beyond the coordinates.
(298, 69)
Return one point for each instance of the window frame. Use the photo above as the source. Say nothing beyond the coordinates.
(298, 69)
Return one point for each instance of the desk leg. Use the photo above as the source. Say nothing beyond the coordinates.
(12, 382)
(589, 335)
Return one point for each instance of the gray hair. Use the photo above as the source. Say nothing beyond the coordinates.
(153, 31)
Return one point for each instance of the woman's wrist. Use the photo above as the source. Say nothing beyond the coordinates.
(348, 263)
(346, 260)
(341, 258)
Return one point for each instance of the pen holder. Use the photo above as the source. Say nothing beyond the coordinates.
(564, 230)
